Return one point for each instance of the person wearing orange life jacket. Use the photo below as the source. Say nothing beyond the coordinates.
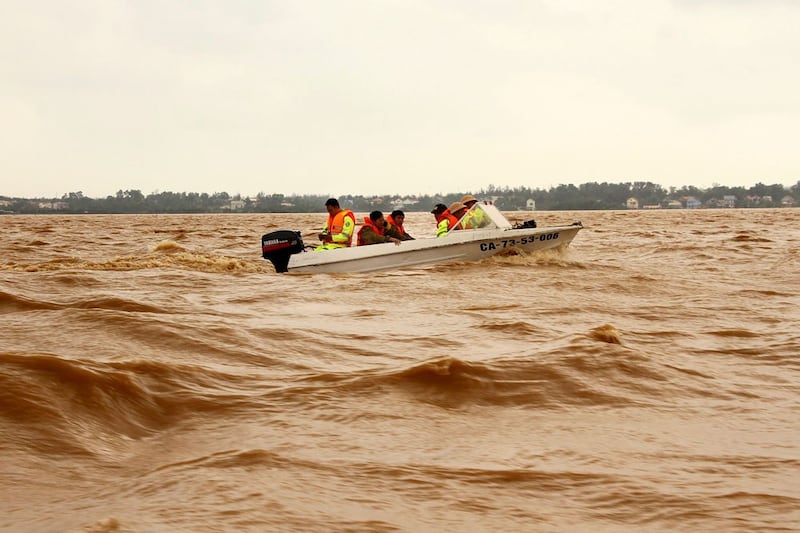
(444, 220)
(338, 232)
(376, 231)
(396, 220)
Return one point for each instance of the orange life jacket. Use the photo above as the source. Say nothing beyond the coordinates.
(336, 223)
(368, 224)
(390, 220)
(451, 220)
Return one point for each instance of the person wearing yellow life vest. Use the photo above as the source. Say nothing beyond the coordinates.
(396, 220)
(476, 218)
(445, 221)
(376, 231)
(338, 232)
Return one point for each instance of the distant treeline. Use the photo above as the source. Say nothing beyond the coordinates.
(591, 195)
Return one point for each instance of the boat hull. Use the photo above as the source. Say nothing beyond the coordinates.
(472, 245)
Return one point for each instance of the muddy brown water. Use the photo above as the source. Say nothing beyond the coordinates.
(157, 375)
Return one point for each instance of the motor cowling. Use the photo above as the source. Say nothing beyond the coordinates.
(525, 225)
(277, 247)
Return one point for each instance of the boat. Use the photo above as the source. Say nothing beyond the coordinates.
(286, 251)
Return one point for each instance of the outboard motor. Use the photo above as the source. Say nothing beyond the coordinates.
(525, 225)
(278, 246)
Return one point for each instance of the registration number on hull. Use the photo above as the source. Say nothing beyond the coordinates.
(509, 243)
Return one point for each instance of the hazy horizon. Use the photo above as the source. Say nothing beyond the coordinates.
(389, 193)
(416, 97)
(483, 190)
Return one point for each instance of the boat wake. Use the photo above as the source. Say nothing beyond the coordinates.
(166, 255)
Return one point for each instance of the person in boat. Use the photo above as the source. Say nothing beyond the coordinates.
(445, 221)
(376, 231)
(457, 209)
(338, 232)
(476, 218)
(396, 220)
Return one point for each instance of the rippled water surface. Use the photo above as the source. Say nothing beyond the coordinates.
(156, 375)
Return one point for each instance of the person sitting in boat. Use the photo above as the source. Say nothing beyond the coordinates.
(396, 220)
(338, 232)
(476, 218)
(457, 209)
(376, 231)
(445, 221)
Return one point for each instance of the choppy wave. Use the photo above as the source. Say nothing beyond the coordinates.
(15, 303)
(560, 257)
(65, 406)
(132, 399)
(166, 255)
(746, 237)
(580, 372)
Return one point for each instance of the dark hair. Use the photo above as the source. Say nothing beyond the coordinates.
(397, 213)
(375, 215)
(332, 202)
(438, 208)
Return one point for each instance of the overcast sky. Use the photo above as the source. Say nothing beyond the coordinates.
(408, 96)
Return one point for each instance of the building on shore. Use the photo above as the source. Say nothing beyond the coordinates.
(404, 202)
(56, 205)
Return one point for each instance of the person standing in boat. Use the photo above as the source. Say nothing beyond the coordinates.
(338, 232)
(445, 221)
(476, 218)
(396, 220)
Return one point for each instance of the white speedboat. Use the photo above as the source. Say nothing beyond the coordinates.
(286, 251)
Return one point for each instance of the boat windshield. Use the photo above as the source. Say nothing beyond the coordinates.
(477, 218)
